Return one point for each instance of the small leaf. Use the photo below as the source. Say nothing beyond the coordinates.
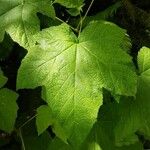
(8, 109)
(3, 79)
(103, 15)
(44, 119)
(144, 60)
(70, 3)
(74, 11)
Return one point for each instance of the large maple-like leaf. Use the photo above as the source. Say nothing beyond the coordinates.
(19, 19)
(73, 71)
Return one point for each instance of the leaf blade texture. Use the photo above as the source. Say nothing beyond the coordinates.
(3, 79)
(8, 106)
(70, 3)
(8, 109)
(73, 72)
(19, 19)
(133, 115)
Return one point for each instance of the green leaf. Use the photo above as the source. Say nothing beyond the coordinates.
(129, 121)
(133, 116)
(58, 144)
(18, 18)
(73, 70)
(70, 3)
(109, 12)
(105, 14)
(144, 61)
(115, 117)
(101, 138)
(44, 119)
(35, 142)
(74, 11)
(3, 79)
(30, 139)
(8, 109)
(98, 139)
(8, 106)
(74, 6)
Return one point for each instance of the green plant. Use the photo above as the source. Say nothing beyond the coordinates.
(77, 83)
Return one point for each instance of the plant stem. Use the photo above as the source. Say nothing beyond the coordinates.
(82, 19)
(80, 24)
(92, 1)
(67, 24)
(22, 141)
(53, 2)
(27, 121)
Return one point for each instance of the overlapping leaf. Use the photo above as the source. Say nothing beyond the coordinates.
(31, 140)
(3, 79)
(18, 18)
(45, 119)
(70, 3)
(8, 107)
(106, 14)
(100, 138)
(74, 6)
(90, 145)
(101, 135)
(132, 116)
(73, 70)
